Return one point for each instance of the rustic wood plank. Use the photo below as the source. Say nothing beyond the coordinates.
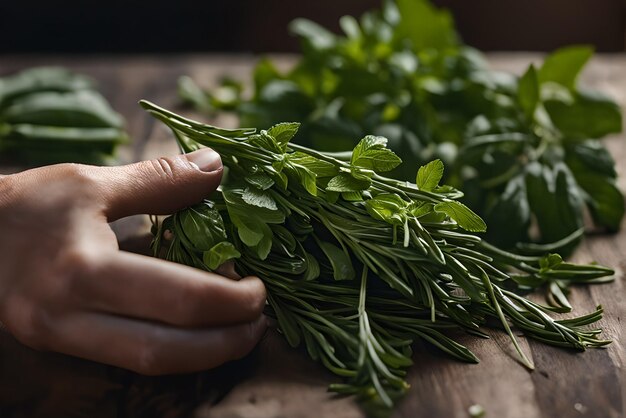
(282, 381)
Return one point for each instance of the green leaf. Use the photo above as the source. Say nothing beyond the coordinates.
(352, 196)
(191, 93)
(510, 213)
(307, 179)
(312, 271)
(317, 37)
(420, 209)
(590, 115)
(264, 246)
(368, 143)
(260, 181)
(259, 198)
(463, 216)
(344, 182)
(605, 200)
(379, 160)
(202, 226)
(339, 260)
(370, 153)
(387, 207)
(564, 65)
(236, 205)
(319, 167)
(249, 232)
(591, 156)
(429, 175)
(425, 26)
(549, 262)
(554, 199)
(264, 72)
(219, 254)
(528, 92)
(265, 141)
(283, 132)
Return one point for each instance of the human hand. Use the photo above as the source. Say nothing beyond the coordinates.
(66, 287)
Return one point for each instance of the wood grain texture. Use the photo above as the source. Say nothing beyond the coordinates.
(277, 381)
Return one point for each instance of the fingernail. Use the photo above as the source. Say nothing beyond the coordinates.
(205, 159)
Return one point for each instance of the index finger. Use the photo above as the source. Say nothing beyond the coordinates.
(149, 288)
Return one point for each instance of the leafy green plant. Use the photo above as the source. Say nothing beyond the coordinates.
(522, 148)
(357, 265)
(50, 114)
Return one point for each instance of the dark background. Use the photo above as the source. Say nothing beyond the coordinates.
(113, 26)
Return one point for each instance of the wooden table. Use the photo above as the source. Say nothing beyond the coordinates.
(276, 381)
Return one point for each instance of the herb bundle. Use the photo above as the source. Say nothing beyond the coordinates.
(357, 266)
(522, 148)
(50, 115)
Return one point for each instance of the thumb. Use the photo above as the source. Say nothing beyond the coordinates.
(160, 186)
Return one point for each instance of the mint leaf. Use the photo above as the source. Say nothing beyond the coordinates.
(368, 143)
(429, 175)
(266, 141)
(462, 215)
(259, 198)
(564, 65)
(344, 182)
(381, 160)
(283, 132)
(219, 254)
(370, 153)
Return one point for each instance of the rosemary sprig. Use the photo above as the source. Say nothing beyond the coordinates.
(309, 225)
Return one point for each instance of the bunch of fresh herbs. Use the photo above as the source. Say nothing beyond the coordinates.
(357, 266)
(50, 115)
(522, 148)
